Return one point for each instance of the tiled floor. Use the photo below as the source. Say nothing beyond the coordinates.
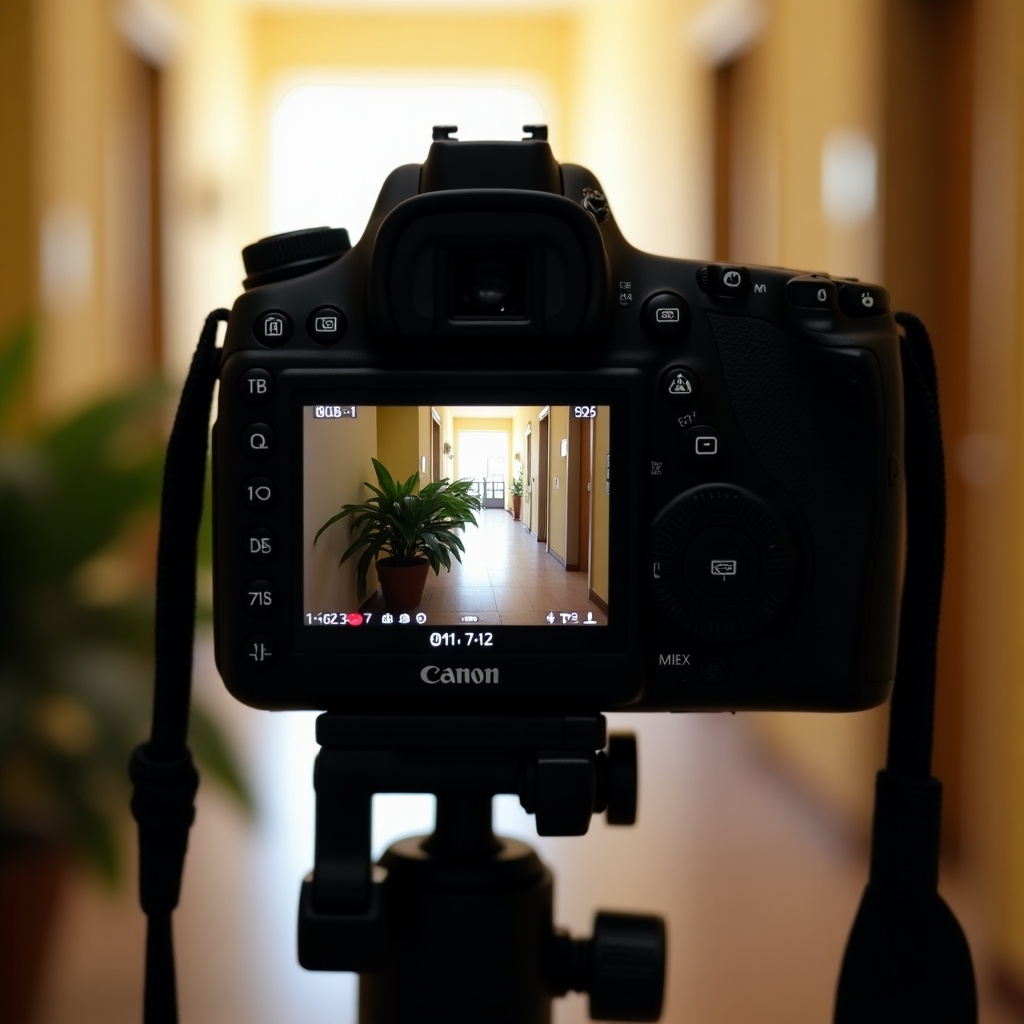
(758, 892)
(507, 578)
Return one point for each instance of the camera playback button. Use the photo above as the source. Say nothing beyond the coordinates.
(665, 317)
(326, 325)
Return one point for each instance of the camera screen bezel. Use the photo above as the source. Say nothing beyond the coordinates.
(303, 389)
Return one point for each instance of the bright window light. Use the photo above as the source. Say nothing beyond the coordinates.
(333, 142)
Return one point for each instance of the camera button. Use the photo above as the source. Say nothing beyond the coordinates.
(724, 282)
(326, 325)
(272, 328)
(812, 292)
(259, 544)
(258, 440)
(259, 651)
(859, 300)
(665, 317)
(259, 492)
(256, 386)
(260, 599)
(702, 446)
(680, 384)
(722, 566)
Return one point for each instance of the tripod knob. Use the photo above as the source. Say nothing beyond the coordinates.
(617, 781)
(627, 967)
(622, 967)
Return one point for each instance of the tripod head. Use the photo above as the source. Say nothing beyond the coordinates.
(457, 926)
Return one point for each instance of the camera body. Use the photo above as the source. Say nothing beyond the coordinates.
(711, 459)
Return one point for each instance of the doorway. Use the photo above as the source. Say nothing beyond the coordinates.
(541, 480)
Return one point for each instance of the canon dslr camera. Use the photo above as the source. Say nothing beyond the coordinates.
(710, 458)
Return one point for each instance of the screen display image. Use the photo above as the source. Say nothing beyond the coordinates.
(537, 558)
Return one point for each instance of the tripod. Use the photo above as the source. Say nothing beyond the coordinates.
(457, 926)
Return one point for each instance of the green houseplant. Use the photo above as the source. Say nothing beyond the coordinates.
(78, 511)
(405, 529)
(517, 493)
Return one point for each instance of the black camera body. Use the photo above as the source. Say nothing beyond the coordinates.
(712, 461)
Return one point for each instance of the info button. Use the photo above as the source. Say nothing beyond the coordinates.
(666, 317)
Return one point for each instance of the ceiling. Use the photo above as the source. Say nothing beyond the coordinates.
(467, 5)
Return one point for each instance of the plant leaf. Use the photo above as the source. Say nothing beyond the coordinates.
(15, 359)
(216, 757)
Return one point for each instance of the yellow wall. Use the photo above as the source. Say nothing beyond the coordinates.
(444, 470)
(398, 440)
(423, 434)
(995, 585)
(785, 117)
(639, 119)
(77, 57)
(335, 464)
(600, 548)
(530, 45)
(17, 228)
(526, 417)
(558, 481)
(213, 169)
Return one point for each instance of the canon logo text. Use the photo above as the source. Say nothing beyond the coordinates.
(473, 676)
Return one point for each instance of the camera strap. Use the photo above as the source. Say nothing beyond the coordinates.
(907, 958)
(162, 773)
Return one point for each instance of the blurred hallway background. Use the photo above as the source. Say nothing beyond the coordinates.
(145, 142)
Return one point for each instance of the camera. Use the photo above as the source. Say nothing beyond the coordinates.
(711, 462)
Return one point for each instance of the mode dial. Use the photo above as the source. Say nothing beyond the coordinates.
(292, 254)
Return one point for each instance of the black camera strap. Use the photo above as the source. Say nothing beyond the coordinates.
(906, 959)
(162, 773)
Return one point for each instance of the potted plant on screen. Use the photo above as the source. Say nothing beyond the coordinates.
(517, 493)
(406, 532)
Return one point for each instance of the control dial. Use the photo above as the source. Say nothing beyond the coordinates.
(722, 564)
(292, 254)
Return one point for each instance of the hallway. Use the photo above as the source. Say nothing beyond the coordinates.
(506, 578)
